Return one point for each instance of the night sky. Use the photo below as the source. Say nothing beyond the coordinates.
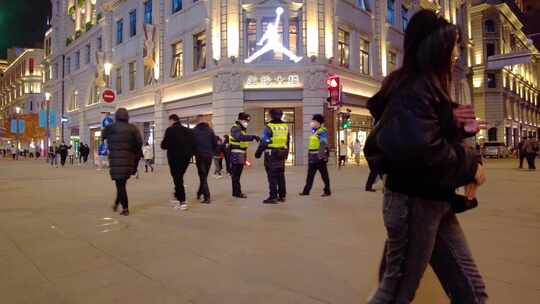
(22, 23)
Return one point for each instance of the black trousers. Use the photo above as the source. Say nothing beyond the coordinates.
(63, 158)
(320, 166)
(121, 193)
(276, 182)
(177, 173)
(203, 169)
(522, 157)
(371, 179)
(531, 157)
(228, 162)
(236, 173)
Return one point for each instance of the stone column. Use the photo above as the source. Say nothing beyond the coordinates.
(227, 100)
(161, 123)
(315, 93)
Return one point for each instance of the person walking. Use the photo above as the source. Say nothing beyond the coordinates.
(148, 154)
(71, 154)
(531, 149)
(124, 144)
(218, 157)
(317, 156)
(522, 154)
(180, 145)
(343, 153)
(275, 146)
(418, 143)
(239, 143)
(85, 153)
(63, 151)
(227, 154)
(357, 151)
(205, 148)
(32, 151)
(14, 152)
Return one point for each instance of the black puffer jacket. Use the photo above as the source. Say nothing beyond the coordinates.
(417, 143)
(205, 140)
(125, 143)
(179, 143)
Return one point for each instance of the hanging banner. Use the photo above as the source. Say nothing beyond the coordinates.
(43, 119)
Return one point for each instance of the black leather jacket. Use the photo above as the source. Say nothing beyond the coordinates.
(417, 143)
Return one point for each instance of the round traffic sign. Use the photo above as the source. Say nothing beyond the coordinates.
(108, 95)
(106, 121)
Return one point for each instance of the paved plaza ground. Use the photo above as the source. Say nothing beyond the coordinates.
(61, 243)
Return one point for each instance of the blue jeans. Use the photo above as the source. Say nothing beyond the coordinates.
(419, 232)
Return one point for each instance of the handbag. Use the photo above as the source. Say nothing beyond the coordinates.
(460, 203)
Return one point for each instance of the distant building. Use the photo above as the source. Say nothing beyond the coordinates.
(21, 89)
(506, 72)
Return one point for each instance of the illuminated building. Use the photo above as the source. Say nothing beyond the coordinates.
(189, 57)
(506, 72)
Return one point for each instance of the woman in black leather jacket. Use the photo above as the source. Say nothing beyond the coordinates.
(418, 143)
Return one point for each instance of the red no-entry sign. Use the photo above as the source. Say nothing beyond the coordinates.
(108, 96)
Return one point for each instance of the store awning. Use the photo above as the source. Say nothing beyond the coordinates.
(496, 62)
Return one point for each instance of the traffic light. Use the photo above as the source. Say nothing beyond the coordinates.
(333, 83)
(345, 119)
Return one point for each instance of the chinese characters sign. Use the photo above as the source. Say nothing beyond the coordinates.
(266, 81)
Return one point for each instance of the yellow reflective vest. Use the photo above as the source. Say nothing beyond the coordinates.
(315, 140)
(280, 135)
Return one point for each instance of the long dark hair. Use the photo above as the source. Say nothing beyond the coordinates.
(428, 45)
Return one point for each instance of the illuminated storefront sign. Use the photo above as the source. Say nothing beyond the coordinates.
(273, 43)
(273, 81)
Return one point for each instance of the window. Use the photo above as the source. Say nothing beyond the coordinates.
(119, 31)
(132, 75)
(343, 47)
(362, 4)
(489, 26)
(77, 60)
(133, 23)
(176, 6)
(491, 80)
(119, 81)
(93, 98)
(490, 49)
(294, 26)
(99, 44)
(392, 61)
(199, 51)
(68, 65)
(364, 56)
(251, 31)
(390, 12)
(177, 63)
(73, 103)
(87, 57)
(404, 17)
(148, 12)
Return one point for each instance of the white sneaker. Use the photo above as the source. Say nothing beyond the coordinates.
(175, 202)
(184, 207)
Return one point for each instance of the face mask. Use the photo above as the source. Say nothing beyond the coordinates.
(244, 124)
(314, 125)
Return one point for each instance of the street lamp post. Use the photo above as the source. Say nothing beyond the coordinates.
(17, 111)
(48, 127)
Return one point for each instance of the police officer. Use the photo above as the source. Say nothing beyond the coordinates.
(239, 143)
(275, 145)
(318, 155)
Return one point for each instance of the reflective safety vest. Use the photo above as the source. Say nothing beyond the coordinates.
(280, 133)
(236, 144)
(315, 140)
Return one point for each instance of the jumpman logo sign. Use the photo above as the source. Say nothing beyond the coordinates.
(271, 37)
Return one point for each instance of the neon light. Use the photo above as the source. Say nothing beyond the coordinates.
(271, 36)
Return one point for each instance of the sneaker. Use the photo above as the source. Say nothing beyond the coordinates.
(326, 194)
(206, 201)
(303, 194)
(115, 207)
(124, 212)
(241, 195)
(174, 202)
(183, 206)
(281, 199)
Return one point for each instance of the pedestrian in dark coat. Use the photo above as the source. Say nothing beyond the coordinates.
(418, 143)
(205, 148)
(124, 144)
(63, 150)
(180, 145)
(522, 154)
